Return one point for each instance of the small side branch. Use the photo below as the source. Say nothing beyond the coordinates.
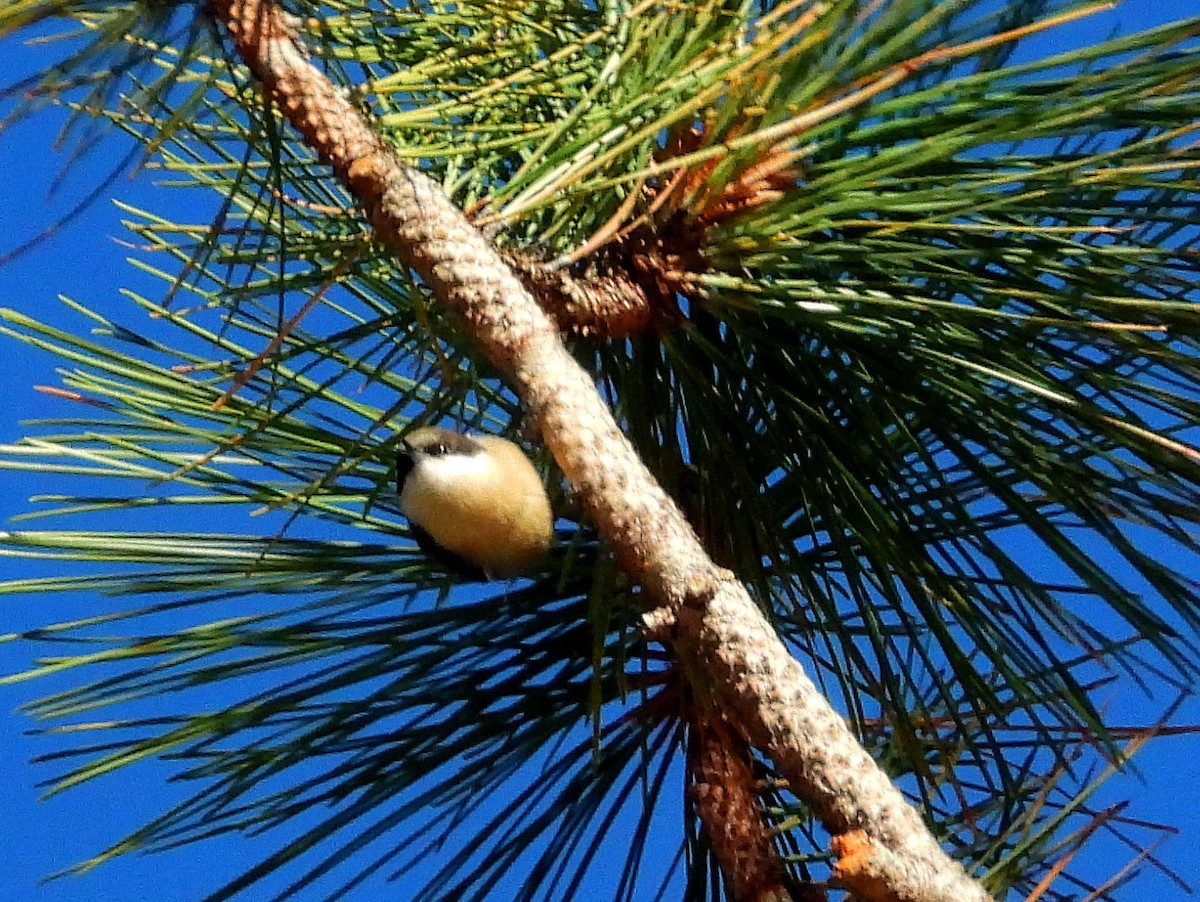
(723, 793)
(608, 304)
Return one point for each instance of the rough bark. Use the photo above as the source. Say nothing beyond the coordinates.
(762, 688)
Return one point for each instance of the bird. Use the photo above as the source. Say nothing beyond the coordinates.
(474, 502)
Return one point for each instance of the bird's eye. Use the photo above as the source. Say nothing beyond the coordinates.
(439, 449)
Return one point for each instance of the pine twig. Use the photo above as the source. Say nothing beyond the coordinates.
(726, 802)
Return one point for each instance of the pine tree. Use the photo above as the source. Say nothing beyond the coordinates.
(808, 311)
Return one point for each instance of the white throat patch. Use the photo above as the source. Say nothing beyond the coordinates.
(447, 473)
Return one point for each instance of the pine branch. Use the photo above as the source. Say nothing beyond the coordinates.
(699, 605)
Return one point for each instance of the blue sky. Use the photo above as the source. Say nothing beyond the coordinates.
(86, 262)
